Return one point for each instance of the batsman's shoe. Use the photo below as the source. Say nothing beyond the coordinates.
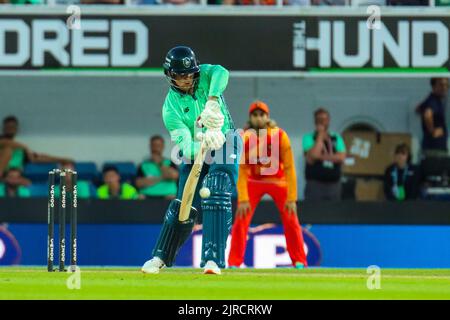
(299, 265)
(211, 268)
(153, 266)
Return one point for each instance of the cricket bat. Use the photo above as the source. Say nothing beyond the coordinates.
(191, 183)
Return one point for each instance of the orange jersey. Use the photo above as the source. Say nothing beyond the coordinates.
(267, 158)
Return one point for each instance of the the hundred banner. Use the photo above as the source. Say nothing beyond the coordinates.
(239, 42)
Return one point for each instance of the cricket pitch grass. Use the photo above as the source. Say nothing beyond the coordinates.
(182, 283)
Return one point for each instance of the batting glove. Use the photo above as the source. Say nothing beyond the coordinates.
(212, 117)
(214, 139)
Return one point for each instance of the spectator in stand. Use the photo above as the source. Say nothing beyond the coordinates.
(113, 188)
(14, 154)
(402, 179)
(157, 177)
(14, 185)
(432, 112)
(325, 153)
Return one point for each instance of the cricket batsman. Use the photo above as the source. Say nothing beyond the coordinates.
(193, 105)
(268, 169)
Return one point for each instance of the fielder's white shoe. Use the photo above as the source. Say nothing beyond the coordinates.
(153, 266)
(211, 268)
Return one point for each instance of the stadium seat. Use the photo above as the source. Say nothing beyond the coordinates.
(92, 191)
(127, 170)
(86, 171)
(38, 172)
(38, 190)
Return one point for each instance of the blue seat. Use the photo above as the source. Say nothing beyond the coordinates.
(86, 171)
(127, 170)
(92, 191)
(38, 172)
(38, 190)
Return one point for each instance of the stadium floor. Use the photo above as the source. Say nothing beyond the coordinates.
(182, 283)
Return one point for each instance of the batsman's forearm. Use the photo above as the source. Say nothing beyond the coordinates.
(219, 81)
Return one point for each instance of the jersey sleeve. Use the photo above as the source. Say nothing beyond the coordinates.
(218, 76)
(340, 144)
(242, 188)
(179, 132)
(307, 142)
(287, 158)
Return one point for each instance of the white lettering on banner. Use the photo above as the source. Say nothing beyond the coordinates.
(330, 44)
(197, 250)
(339, 55)
(22, 32)
(31, 45)
(54, 46)
(80, 42)
(118, 29)
(322, 44)
(265, 251)
(299, 44)
(2, 249)
(419, 29)
(383, 39)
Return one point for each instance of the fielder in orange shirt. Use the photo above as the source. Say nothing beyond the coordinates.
(267, 167)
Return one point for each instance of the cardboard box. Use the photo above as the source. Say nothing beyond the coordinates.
(370, 153)
(369, 190)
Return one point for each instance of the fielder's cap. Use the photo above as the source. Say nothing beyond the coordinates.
(258, 105)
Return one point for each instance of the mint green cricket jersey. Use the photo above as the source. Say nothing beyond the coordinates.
(181, 111)
(17, 159)
(22, 192)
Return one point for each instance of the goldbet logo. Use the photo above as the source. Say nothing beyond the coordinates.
(63, 197)
(52, 196)
(75, 196)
